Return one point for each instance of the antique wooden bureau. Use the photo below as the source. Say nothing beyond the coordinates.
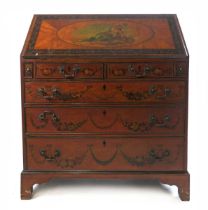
(105, 96)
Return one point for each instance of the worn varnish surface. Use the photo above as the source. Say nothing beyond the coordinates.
(105, 96)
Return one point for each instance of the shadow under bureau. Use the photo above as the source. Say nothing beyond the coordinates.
(105, 96)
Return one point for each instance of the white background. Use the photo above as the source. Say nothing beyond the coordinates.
(14, 23)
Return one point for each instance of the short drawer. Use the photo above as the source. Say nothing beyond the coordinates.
(102, 120)
(140, 70)
(71, 71)
(146, 70)
(100, 92)
(113, 154)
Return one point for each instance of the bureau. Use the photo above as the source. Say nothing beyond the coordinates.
(105, 97)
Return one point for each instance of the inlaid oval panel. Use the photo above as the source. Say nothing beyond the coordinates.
(102, 33)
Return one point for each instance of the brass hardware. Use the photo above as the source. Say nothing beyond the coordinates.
(56, 94)
(50, 157)
(62, 69)
(53, 156)
(146, 71)
(152, 157)
(56, 122)
(131, 68)
(104, 87)
(160, 123)
(133, 95)
(43, 92)
(145, 126)
(152, 91)
(179, 71)
(153, 119)
(41, 116)
(28, 70)
(44, 115)
(167, 92)
(75, 69)
(104, 143)
(159, 155)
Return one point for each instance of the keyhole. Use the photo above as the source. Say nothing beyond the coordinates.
(104, 87)
(104, 113)
(104, 143)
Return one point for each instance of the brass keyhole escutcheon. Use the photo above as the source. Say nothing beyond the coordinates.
(104, 112)
(104, 87)
(104, 143)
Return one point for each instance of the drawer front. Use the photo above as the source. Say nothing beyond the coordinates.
(136, 121)
(69, 71)
(140, 70)
(117, 154)
(100, 92)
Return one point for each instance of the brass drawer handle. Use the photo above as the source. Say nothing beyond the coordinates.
(138, 72)
(73, 73)
(146, 125)
(131, 68)
(55, 94)
(47, 116)
(145, 73)
(159, 156)
(160, 123)
(43, 92)
(167, 92)
(43, 116)
(48, 156)
(179, 71)
(148, 69)
(154, 91)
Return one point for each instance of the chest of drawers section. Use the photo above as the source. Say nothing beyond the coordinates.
(112, 105)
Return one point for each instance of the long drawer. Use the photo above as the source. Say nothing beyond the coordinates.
(105, 92)
(113, 120)
(113, 154)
